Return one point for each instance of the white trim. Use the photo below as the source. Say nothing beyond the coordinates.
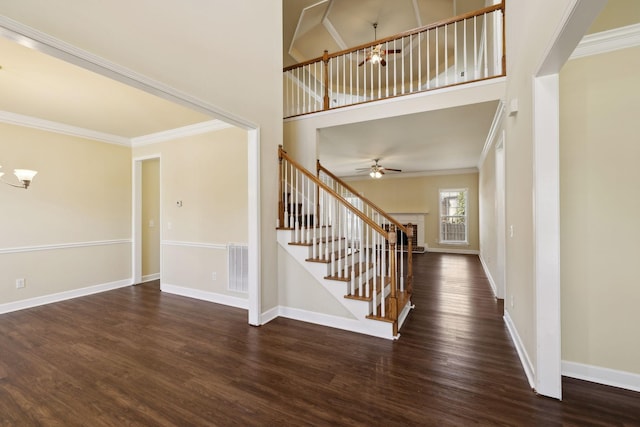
(61, 128)
(62, 296)
(327, 320)
(496, 125)
(181, 132)
(221, 246)
(487, 273)
(608, 41)
(254, 228)
(546, 234)
(198, 294)
(413, 174)
(58, 246)
(418, 95)
(525, 361)
(597, 374)
(270, 315)
(454, 251)
(150, 277)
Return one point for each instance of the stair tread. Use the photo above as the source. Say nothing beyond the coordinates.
(345, 274)
(318, 240)
(403, 298)
(336, 255)
(356, 295)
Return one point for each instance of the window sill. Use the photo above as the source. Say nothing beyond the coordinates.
(453, 243)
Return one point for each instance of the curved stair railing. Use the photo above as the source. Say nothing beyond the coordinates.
(358, 251)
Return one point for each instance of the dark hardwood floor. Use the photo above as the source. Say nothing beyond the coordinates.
(135, 356)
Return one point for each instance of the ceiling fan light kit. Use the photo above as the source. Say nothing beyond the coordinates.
(376, 170)
(377, 53)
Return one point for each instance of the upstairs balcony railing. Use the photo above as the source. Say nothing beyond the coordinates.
(459, 50)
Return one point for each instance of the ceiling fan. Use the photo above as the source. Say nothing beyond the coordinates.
(376, 170)
(377, 53)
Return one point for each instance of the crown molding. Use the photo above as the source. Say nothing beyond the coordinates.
(405, 175)
(61, 128)
(608, 41)
(181, 132)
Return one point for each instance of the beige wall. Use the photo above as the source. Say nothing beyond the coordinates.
(488, 216)
(208, 174)
(79, 203)
(617, 13)
(150, 217)
(421, 195)
(600, 201)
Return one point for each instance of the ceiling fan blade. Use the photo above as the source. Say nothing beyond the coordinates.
(394, 51)
(360, 64)
(363, 169)
(393, 170)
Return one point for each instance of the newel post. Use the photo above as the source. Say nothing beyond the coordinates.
(281, 192)
(409, 287)
(393, 295)
(325, 60)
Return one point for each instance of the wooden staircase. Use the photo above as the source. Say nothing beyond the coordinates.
(345, 250)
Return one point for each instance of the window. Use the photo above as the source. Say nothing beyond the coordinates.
(453, 216)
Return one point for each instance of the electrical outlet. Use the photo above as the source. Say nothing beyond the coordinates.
(20, 283)
(214, 276)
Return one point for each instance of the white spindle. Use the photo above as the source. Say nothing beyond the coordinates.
(475, 48)
(486, 62)
(464, 55)
(428, 59)
(411, 64)
(437, 59)
(419, 61)
(455, 50)
(446, 55)
(395, 70)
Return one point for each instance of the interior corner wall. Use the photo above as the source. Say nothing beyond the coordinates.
(600, 199)
(421, 195)
(204, 193)
(488, 216)
(71, 229)
(150, 218)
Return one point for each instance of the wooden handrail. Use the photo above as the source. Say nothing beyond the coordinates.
(326, 56)
(283, 155)
(364, 199)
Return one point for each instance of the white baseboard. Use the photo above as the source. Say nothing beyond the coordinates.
(330, 321)
(269, 315)
(454, 251)
(487, 273)
(62, 296)
(606, 376)
(150, 277)
(522, 352)
(205, 296)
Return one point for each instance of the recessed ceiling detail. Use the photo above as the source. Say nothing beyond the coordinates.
(336, 25)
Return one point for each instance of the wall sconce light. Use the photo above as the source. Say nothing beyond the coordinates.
(25, 176)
